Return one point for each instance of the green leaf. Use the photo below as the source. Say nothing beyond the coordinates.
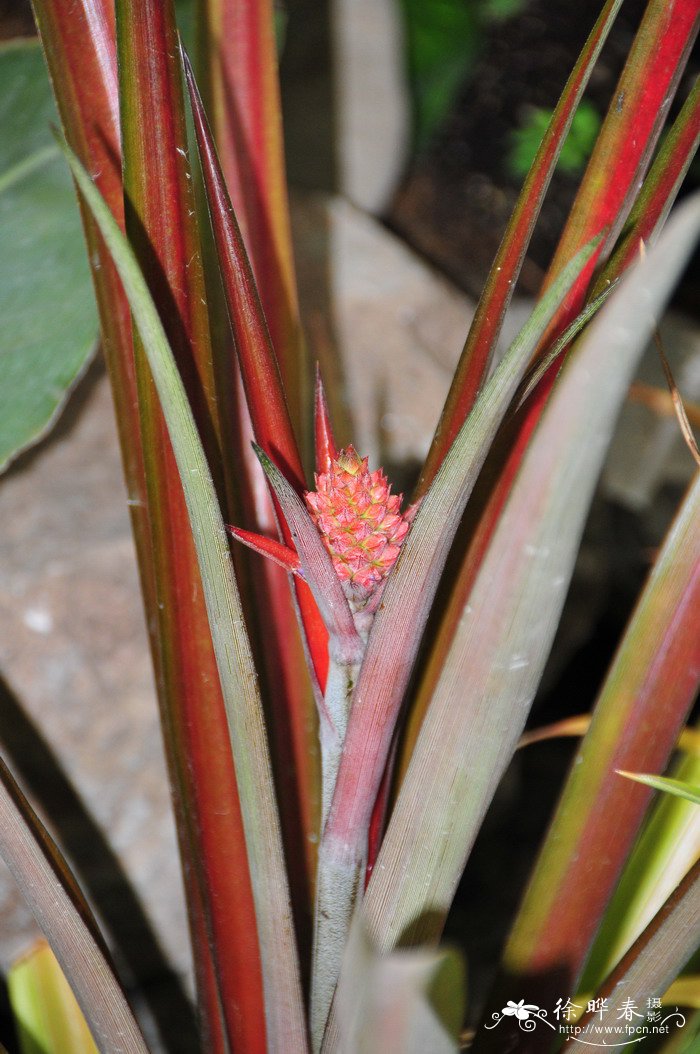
(679, 788)
(663, 853)
(49, 325)
(685, 991)
(684, 1040)
(500, 10)
(284, 1013)
(47, 1015)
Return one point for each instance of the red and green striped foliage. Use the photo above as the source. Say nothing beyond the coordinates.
(288, 675)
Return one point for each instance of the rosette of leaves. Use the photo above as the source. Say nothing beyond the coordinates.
(331, 762)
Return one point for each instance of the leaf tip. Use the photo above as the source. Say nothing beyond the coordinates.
(326, 447)
(277, 552)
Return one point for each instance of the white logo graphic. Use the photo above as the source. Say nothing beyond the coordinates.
(527, 1015)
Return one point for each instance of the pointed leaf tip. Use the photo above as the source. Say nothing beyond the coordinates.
(269, 547)
(326, 448)
(679, 788)
(259, 368)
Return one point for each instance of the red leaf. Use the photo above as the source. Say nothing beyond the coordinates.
(325, 446)
(632, 126)
(264, 393)
(660, 188)
(494, 301)
(80, 46)
(641, 101)
(284, 557)
(162, 225)
(238, 75)
(240, 85)
(261, 377)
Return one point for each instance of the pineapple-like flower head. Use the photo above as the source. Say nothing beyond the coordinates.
(360, 521)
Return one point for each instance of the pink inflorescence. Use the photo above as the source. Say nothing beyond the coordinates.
(360, 521)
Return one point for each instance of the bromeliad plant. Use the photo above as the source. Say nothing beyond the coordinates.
(330, 780)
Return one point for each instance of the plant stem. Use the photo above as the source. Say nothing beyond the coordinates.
(333, 724)
(340, 871)
(336, 882)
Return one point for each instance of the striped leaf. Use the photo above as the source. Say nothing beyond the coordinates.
(283, 1005)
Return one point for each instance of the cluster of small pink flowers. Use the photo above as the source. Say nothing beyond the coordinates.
(360, 521)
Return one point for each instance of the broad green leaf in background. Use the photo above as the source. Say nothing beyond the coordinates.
(577, 147)
(684, 1041)
(49, 324)
(442, 42)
